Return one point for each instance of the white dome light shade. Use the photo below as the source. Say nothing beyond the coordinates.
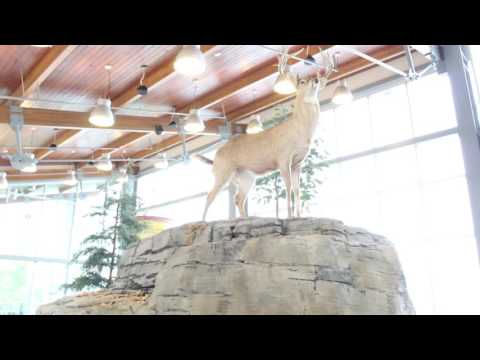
(193, 122)
(342, 94)
(123, 177)
(190, 61)
(162, 162)
(255, 125)
(24, 162)
(285, 84)
(72, 179)
(104, 164)
(102, 114)
(3, 180)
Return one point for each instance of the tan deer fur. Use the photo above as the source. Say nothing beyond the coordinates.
(282, 148)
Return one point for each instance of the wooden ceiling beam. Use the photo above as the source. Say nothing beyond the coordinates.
(79, 120)
(164, 145)
(350, 68)
(60, 139)
(42, 70)
(229, 90)
(247, 80)
(152, 80)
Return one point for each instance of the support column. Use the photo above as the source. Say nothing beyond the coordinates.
(455, 62)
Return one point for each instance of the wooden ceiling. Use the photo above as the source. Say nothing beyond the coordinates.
(76, 74)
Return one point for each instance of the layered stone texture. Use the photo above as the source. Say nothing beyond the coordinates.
(258, 266)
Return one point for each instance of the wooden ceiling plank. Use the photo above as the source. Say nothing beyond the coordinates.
(42, 70)
(350, 68)
(61, 139)
(246, 81)
(229, 90)
(152, 80)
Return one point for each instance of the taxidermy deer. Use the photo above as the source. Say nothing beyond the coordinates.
(282, 148)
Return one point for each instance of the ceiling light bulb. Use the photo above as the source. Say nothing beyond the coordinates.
(104, 164)
(255, 125)
(102, 114)
(3, 180)
(162, 162)
(193, 122)
(42, 46)
(72, 180)
(190, 61)
(342, 94)
(285, 83)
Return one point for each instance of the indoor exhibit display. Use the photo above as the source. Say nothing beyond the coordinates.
(239, 179)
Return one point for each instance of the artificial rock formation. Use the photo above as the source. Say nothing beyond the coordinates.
(253, 266)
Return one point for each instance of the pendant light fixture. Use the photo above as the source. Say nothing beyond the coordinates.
(190, 61)
(102, 114)
(142, 89)
(285, 83)
(342, 94)
(72, 179)
(3, 180)
(162, 162)
(104, 164)
(123, 177)
(255, 126)
(193, 123)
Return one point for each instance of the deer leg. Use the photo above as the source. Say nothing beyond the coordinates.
(286, 175)
(296, 189)
(244, 181)
(221, 178)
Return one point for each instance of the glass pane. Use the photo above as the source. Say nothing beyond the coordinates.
(358, 175)
(441, 159)
(327, 132)
(47, 279)
(447, 209)
(176, 182)
(396, 167)
(432, 104)
(192, 210)
(353, 127)
(455, 275)
(15, 279)
(391, 120)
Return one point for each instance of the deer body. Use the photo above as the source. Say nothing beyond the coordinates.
(282, 148)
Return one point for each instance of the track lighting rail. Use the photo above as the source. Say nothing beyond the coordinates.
(352, 50)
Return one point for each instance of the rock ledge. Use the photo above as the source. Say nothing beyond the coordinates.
(253, 266)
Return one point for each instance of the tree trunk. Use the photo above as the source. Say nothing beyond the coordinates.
(114, 242)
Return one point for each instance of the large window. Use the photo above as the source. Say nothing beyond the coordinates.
(179, 193)
(398, 170)
(37, 241)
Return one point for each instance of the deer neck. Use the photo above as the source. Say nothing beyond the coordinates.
(305, 118)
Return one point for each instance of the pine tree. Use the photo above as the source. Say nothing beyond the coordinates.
(100, 252)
